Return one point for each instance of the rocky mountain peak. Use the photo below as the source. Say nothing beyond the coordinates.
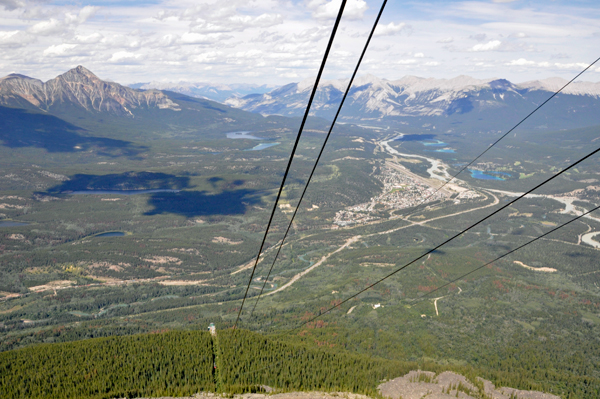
(79, 73)
(79, 88)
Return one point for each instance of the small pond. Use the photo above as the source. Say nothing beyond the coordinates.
(262, 146)
(111, 234)
(10, 223)
(488, 175)
(433, 143)
(447, 150)
(243, 135)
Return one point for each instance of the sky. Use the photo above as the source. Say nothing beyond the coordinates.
(275, 42)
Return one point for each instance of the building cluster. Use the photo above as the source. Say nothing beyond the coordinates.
(399, 191)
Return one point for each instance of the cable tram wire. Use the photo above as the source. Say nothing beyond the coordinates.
(322, 149)
(457, 279)
(450, 239)
(510, 252)
(312, 95)
(503, 136)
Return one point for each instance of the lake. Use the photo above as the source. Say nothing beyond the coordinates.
(262, 146)
(119, 192)
(435, 143)
(243, 135)
(478, 174)
(111, 234)
(10, 223)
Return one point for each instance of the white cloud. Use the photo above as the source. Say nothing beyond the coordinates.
(210, 56)
(520, 62)
(519, 35)
(167, 40)
(88, 39)
(480, 37)
(249, 53)
(55, 26)
(265, 39)
(289, 75)
(389, 29)
(200, 38)
(322, 9)
(11, 5)
(49, 27)
(124, 57)
(15, 39)
(489, 46)
(242, 22)
(60, 50)
(236, 23)
(85, 13)
(574, 66)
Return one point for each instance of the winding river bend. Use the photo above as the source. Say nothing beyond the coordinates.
(589, 239)
(436, 171)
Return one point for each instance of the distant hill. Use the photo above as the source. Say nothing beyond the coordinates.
(210, 91)
(416, 100)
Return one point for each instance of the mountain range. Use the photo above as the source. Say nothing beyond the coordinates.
(462, 103)
(459, 100)
(210, 91)
(85, 101)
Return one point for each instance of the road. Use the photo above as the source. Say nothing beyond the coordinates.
(361, 237)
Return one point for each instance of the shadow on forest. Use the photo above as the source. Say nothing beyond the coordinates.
(203, 203)
(21, 128)
(122, 181)
(229, 201)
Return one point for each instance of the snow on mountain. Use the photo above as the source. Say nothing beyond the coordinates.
(553, 84)
(375, 98)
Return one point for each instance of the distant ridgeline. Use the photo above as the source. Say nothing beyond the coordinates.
(184, 362)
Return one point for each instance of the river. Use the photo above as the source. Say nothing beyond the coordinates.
(588, 239)
(438, 169)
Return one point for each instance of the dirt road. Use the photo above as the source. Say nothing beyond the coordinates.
(360, 237)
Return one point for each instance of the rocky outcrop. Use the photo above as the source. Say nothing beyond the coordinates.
(425, 384)
(79, 88)
(414, 385)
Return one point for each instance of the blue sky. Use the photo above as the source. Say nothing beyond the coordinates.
(276, 42)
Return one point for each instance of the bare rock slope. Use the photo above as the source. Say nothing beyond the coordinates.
(414, 385)
(425, 384)
(80, 88)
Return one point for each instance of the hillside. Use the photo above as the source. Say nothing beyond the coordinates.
(183, 363)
